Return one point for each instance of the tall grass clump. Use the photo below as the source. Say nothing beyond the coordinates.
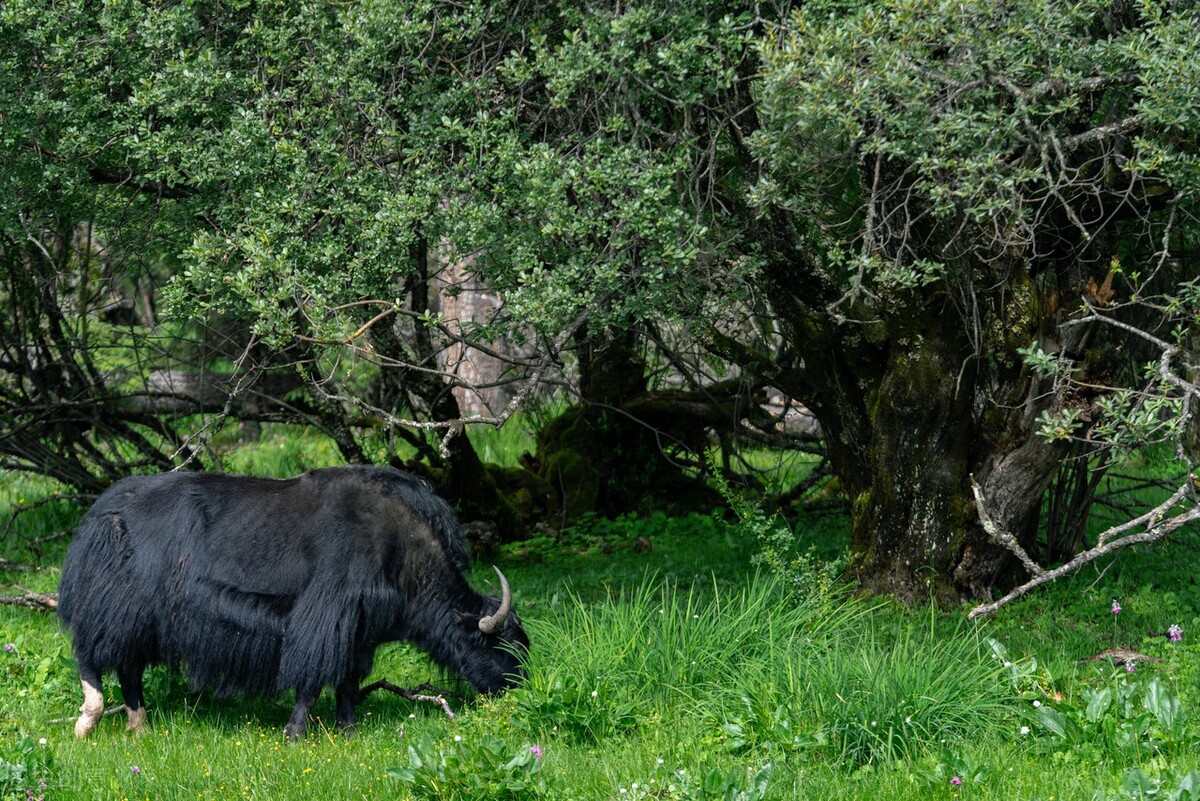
(895, 699)
(598, 667)
(872, 698)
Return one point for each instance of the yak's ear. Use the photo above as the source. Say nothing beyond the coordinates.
(466, 620)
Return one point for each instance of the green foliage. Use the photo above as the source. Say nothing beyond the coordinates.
(713, 785)
(25, 767)
(960, 93)
(1137, 786)
(939, 770)
(780, 552)
(33, 508)
(280, 452)
(463, 771)
(1129, 718)
(566, 705)
(36, 668)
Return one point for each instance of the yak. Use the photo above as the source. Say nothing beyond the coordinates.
(258, 586)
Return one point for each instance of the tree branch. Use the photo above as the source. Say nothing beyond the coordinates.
(412, 695)
(1157, 527)
(41, 601)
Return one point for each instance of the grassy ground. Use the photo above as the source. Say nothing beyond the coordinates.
(678, 672)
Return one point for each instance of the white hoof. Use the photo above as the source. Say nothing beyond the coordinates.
(137, 717)
(92, 709)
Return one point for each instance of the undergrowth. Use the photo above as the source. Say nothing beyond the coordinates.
(718, 659)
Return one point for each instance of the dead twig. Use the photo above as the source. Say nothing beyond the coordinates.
(412, 695)
(112, 710)
(45, 602)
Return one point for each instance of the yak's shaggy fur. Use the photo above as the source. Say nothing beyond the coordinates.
(259, 586)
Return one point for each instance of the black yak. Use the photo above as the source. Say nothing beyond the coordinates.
(258, 586)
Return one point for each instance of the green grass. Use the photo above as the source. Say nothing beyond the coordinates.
(698, 662)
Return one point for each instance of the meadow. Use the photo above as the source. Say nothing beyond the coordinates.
(687, 670)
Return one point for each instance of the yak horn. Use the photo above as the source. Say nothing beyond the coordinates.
(493, 623)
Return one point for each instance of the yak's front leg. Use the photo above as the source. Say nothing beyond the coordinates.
(297, 725)
(347, 692)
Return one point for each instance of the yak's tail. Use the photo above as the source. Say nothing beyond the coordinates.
(100, 604)
(99, 597)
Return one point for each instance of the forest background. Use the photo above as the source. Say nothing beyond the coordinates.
(962, 237)
(929, 264)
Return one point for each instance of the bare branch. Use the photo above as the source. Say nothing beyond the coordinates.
(1158, 525)
(1001, 536)
(34, 600)
(412, 695)
(456, 426)
(1117, 128)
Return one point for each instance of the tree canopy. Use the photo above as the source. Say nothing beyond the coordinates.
(962, 234)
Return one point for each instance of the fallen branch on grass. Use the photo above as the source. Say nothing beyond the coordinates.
(112, 710)
(34, 600)
(412, 695)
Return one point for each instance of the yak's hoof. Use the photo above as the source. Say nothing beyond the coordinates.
(137, 717)
(92, 709)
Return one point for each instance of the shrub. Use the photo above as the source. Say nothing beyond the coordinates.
(24, 768)
(487, 769)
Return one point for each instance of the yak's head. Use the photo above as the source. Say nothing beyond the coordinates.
(498, 643)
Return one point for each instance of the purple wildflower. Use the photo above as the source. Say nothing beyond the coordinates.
(1116, 607)
(11, 647)
(1175, 634)
(955, 781)
(1130, 666)
(135, 770)
(536, 751)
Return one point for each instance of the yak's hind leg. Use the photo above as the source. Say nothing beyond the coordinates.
(93, 701)
(135, 703)
(346, 692)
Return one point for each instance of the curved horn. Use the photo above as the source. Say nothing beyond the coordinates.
(493, 623)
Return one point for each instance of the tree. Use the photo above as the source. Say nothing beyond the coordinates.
(931, 200)
(956, 233)
(93, 215)
(987, 186)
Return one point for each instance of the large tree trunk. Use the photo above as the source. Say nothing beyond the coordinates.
(913, 408)
(916, 531)
(909, 520)
(486, 383)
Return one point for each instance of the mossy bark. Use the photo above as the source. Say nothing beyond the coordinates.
(908, 526)
(913, 405)
(616, 452)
